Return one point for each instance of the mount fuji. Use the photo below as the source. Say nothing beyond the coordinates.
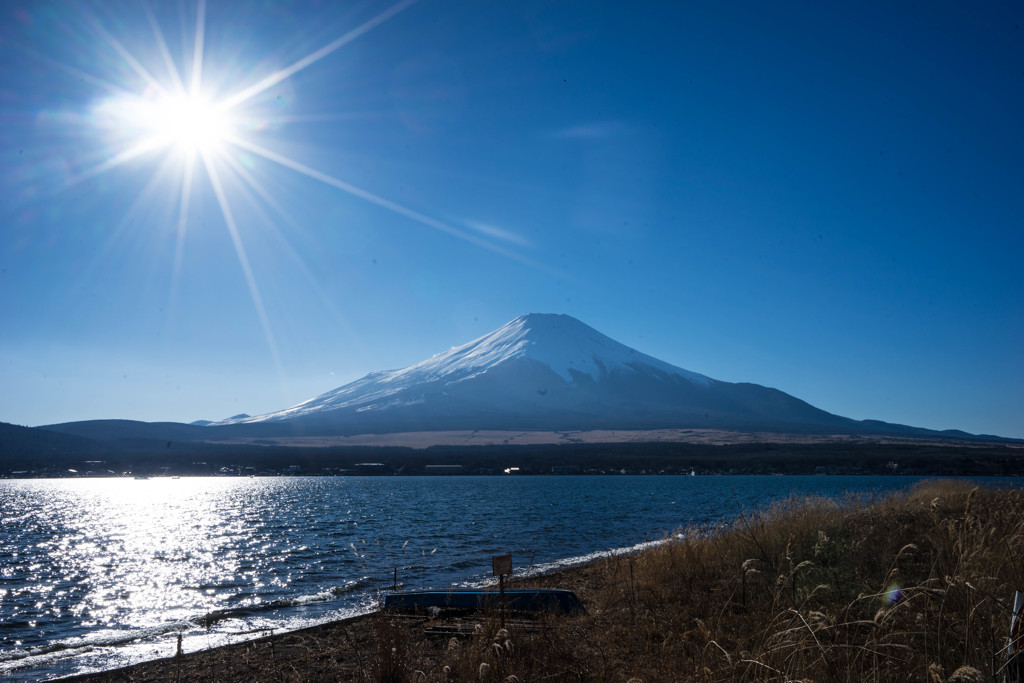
(549, 372)
(540, 374)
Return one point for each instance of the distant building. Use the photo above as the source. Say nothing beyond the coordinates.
(565, 469)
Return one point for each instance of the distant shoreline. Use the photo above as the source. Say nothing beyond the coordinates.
(175, 450)
(671, 458)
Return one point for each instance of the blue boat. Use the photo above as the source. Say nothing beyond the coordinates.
(550, 600)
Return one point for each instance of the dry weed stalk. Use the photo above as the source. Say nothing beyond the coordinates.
(899, 588)
(906, 587)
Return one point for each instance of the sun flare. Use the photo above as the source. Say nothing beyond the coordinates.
(191, 123)
(187, 123)
(161, 108)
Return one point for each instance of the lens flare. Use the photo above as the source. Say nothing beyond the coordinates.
(192, 123)
(188, 123)
(205, 122)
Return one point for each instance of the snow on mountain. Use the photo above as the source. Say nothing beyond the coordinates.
(572, 351)
(539, 372)
(564, 344)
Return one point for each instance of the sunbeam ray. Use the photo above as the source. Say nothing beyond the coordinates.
(278, 76)
(197, 55)
(130, 59)
(311, 280)
(262, 192)
(172, 68)
(179, 242)
(115, 234)
(79, 74)
(385, 203)
(161, 106)
(243, 261)
(256, 186)
(127, 155)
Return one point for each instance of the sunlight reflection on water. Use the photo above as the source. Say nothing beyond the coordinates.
(96, 573)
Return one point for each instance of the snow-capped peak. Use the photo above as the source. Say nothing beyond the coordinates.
(560, 342)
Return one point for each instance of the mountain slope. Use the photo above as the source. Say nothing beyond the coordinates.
(539, 372)
(17, 444)
(543, 371)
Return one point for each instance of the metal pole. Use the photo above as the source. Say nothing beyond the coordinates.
(501, 588)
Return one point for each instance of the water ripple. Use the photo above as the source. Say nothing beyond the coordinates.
(97, 572)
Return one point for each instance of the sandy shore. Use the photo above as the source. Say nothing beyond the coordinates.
(345, 650)
(302, 654)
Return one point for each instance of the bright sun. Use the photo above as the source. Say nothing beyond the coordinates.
(191, 123)
(187, 123)
(170, 116)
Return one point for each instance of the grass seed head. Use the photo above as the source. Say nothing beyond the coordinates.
(966, 674)
(909, 549)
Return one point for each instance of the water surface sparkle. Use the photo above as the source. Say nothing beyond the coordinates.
(100, 573)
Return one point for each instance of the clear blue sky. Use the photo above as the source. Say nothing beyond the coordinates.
(826, 198)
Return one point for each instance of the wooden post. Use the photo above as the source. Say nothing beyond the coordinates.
(501, 565)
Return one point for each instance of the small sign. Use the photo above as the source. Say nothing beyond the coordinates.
(502, 564)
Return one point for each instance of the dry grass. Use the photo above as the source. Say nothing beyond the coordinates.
(910, 587)
(916, 586)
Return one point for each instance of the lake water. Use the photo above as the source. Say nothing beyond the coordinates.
(101, 573)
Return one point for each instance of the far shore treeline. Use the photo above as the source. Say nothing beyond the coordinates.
(66, 457)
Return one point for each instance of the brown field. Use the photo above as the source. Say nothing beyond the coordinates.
(915, 586)
(709, 437)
